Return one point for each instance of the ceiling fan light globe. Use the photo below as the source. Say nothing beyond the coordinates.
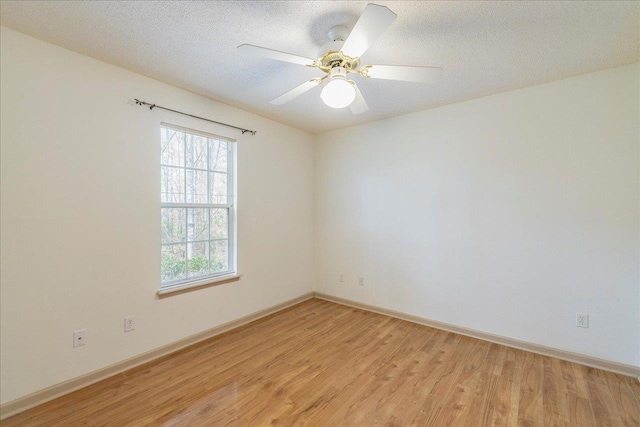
(338, 93)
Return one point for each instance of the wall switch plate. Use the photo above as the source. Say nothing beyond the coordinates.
(341, 278)
(582, 320)
(129, 323)
(361, 281)
(79, 337)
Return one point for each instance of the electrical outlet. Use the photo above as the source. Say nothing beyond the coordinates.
(79, 337)
(341, 278)
(582, 320)
(361, 281)
(129, 323)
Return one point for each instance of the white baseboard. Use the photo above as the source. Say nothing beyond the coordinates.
(39, 397)
(606, 365)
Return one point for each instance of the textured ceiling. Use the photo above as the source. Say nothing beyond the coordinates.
(484, 47)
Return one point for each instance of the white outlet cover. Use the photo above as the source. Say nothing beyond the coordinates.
(582, 320)
(79, 337)
(129, 323)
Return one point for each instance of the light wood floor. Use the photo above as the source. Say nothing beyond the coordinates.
(322, 364)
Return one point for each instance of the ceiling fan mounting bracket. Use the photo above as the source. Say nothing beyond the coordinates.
(338, 33)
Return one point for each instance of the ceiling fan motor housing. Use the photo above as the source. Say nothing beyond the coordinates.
(329, 55)
(329, 47)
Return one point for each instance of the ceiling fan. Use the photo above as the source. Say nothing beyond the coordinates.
(341, 56)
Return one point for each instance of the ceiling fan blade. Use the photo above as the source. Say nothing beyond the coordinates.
(371, 24)
(274, 54)
(296, 91)
(359, 105)
(403, 72)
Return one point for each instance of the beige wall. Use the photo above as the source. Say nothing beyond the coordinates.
(81, 221)
(506, 214)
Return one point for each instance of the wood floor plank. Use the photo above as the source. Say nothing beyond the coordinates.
(531, 411)
(554, 400)
(320, 364)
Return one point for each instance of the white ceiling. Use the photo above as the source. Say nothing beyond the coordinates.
(484, 47)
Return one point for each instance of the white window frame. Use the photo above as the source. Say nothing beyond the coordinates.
(230, 206)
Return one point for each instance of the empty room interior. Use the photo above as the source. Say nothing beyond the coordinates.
(322, 213)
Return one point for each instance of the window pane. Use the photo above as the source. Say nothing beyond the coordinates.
(197, 224)
(173, 224)
(196, 186)
(195, 174)
(219, 223)
(218, 155)
(219, 255)
(196, 151)
(218, 187)
(172, 185)
(198, 259)
(172, 144)
(173, 262)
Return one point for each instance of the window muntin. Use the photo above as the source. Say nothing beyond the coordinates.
(196, 206)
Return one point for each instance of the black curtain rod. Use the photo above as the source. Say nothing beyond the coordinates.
(152, 106)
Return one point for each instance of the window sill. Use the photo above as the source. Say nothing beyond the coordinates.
(193, 286)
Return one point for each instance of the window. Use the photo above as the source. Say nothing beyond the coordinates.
(197, 212)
